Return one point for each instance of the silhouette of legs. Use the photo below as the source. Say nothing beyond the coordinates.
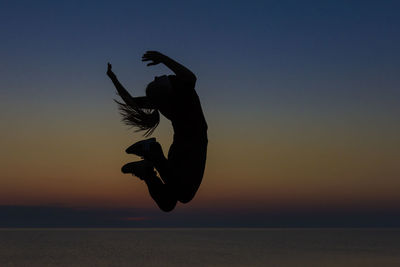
(186, 159)
(181, 173)
(161, 193)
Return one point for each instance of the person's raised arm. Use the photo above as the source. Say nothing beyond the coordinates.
(178, 69)
(128, 99)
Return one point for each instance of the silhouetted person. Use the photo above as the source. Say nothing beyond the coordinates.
(175, 97)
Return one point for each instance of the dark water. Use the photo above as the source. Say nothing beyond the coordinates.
(200, 247)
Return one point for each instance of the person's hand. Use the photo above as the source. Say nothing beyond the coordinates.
(110, 73)
(154, 56)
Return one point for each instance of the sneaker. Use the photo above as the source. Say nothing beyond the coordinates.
(141, 169)
(140, 148)
(148, 149)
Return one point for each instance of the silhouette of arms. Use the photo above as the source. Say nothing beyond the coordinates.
(180, 70)
(142, 102)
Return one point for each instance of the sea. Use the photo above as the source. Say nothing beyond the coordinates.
(200, 247)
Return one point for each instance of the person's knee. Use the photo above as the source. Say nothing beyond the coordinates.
(185, 197)
(187, 191)
(167, 206)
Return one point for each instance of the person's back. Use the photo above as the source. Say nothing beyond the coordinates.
(187, 117)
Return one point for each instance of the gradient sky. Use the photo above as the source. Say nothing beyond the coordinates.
(301, 97)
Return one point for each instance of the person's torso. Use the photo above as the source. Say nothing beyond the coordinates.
(184, 109)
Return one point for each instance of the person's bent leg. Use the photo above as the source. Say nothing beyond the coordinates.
(161, 193)
(151, 151)
(187, 164)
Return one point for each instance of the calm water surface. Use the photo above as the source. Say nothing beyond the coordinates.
(200, 247)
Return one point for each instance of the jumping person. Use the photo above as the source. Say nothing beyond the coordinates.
(174, 96)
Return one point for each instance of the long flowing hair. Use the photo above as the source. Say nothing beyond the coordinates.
(143, 119)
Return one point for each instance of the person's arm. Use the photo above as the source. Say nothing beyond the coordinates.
(142, 102)
(180, 70)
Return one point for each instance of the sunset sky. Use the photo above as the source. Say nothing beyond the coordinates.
(302, 99)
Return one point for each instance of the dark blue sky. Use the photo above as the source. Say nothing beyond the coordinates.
(312, 51)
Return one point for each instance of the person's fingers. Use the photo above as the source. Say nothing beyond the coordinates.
(152, 54)
(146, 59)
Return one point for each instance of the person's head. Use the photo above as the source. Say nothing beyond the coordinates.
(159, 91)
